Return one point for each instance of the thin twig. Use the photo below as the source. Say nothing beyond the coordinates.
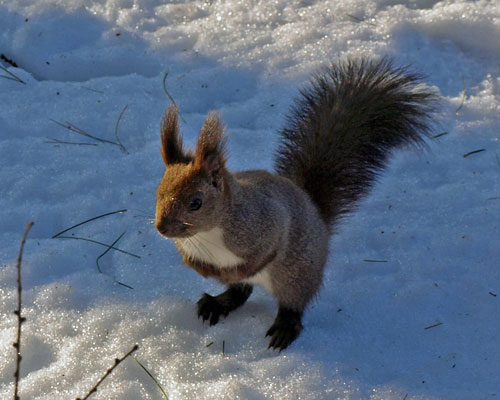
(117, 361)
(12, 77)
(88, 220)
(223, 348)
(164, 83)
(116, 130)
(473, 152)
(20, 318)
(376, 261)
(464, 95)
(152, 377)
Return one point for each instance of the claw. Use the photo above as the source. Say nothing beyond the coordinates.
(209, 309)
(285, 330)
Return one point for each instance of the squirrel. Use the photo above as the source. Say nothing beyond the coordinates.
(273, 229)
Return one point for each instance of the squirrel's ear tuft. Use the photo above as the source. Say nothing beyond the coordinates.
(211, 146)
(171, 141)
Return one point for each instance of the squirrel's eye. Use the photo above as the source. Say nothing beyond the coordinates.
(195, 204)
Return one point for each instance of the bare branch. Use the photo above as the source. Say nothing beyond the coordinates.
(20, 318)
(117, 361)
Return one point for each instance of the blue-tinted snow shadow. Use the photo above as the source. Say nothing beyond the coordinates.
(450, 54)
(58, 46)
(77, 46)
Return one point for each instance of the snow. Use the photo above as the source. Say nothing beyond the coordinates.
(433, 217)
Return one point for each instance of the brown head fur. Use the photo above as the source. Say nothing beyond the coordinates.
(192, 192)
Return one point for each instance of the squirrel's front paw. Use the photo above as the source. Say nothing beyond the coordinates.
(209, 308)
(286, 328)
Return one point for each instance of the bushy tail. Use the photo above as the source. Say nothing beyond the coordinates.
(345, 124)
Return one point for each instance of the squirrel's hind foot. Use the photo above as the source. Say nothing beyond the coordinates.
(212, 307)
(285, 329)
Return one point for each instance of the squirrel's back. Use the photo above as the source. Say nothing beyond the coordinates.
(344, 126)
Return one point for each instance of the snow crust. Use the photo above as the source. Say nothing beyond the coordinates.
(433, 219)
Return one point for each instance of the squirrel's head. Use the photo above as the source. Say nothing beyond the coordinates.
(192, 193)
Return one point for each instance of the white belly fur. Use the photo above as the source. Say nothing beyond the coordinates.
(261, 278)
(209, 247)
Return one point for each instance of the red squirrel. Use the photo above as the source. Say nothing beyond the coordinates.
(273, 229)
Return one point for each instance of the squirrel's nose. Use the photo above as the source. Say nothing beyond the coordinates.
(162, 226)
(169, 226)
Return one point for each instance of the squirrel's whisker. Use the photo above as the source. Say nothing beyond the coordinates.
(204, 239)
(200, 248)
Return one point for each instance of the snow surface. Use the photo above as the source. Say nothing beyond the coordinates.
(434, 217)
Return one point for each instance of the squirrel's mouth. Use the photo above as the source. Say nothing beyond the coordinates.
(174, 229)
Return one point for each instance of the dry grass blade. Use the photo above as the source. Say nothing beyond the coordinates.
(88, 220)
(433, 326)
(464, 95)
(164, 83)
(99, 243)
(92, 90)
(10, 62)
(111, 246)
(20, 318)
(73, 128)
(360, 19)
(57, 141)
(152, 377)
(439, 135)
(124, 285)
(116, 130)
(117, 362)
(11, 76)
(473, 152)
(106, 251)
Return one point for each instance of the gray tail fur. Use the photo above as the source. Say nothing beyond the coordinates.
(343, 127)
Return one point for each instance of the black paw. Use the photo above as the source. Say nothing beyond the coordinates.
(285, 330)
(210, 309)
